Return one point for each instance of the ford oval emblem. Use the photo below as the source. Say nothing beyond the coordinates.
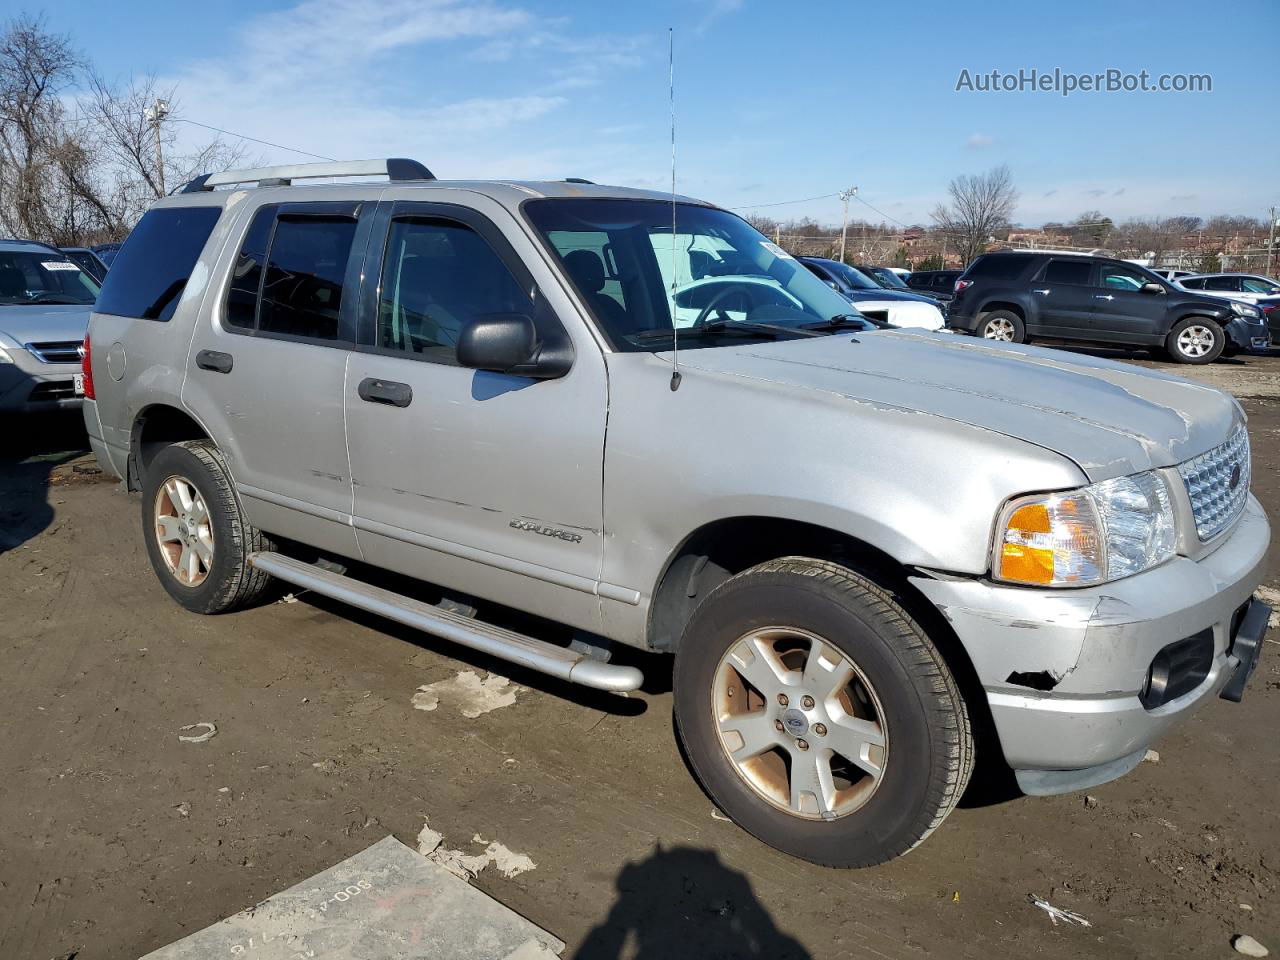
(1235, 477)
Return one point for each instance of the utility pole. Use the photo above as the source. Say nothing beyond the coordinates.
(844, 226)
(1271, 242)
(155, 115)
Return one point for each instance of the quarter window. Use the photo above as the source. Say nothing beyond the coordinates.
(151, 270)
(1068, 271)
(436, 276)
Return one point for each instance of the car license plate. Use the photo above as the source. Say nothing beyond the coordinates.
(78, 381)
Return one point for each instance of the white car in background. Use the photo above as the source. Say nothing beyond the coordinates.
(1248, 287)
(881, 305)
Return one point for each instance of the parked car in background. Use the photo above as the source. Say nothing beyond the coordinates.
(883, 276)
(936, 283)
(864, 552)
(107, 251)
(881, 305)
(88, 261)
(902, 272)
(1248, 287)
(45, 300)
(1270, 307)
(1017, 296)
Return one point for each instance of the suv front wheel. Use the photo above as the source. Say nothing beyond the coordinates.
(1004, 326)
(819, 716)
(1195, 340)
(197, 536)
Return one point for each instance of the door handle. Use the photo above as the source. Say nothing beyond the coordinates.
(385, 391)
(215, 361)
(1043, 293)
(1103, 296)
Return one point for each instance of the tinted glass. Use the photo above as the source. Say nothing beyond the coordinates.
(1221, 283)
(1115, 277)
(302, 289)
(150, 272)
(1193, 283)
(714, 277)
(43, 277)
(246, 277)
(997, 268)
(436, 276)
(1068, 271)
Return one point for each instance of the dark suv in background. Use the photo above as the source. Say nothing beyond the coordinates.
(1018, 296)
(937, 283)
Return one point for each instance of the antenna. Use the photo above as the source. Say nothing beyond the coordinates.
(671, 90)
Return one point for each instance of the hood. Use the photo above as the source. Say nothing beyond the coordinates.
(886, 295)
(34, 323)
(1110, 418)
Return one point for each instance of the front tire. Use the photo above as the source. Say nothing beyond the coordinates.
(1003, 326)
(818, 714)
(196, 533)
(1196, 340)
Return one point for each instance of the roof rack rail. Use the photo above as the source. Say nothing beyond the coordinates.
(394, 168)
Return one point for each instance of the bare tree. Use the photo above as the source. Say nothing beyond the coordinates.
(981, 206)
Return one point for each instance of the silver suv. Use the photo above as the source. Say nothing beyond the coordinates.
(632, 414)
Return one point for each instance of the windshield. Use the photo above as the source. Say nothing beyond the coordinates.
(43, 277)
(888, 278)
(730, 282)
(1257, 285)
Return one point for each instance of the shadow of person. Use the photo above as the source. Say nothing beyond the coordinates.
(682, 903)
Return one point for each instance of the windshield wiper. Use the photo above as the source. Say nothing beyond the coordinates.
(755, 326)
(838, 321)
(47, 298)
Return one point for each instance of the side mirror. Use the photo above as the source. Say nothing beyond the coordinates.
(1151, 287)
(833, 285)
(508, 343)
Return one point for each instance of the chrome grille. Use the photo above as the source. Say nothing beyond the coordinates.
(60, 351)
(1218, 483)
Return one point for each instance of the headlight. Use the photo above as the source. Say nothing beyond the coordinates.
(4, 356)
(1245, 309)
(1081, 537)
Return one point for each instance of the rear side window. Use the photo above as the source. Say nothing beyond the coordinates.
(997, 268)
(150, 272)
(1068, 271)
(1196, 283)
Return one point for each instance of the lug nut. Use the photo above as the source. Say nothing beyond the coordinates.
(777, 725)
(820, 729)
(783, 700)
(807, 702)
(802, 744)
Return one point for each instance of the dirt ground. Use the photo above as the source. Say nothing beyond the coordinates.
(119, 838)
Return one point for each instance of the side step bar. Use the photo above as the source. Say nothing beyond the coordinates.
(507, 644)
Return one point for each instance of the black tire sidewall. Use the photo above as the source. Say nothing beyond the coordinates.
(1171, 342)
(178, 461)
(889, 822)
(1019, 328)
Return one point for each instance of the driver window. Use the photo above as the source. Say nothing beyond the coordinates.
(436, 276)
(1116, 277)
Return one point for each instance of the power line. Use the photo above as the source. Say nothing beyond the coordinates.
(783, 203)
(881, 212)
(265, 143)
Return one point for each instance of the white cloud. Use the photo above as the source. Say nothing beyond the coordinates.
(977, 141)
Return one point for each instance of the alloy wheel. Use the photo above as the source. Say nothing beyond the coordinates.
(184, 531)
(999, 329)
(1195, 341)
(800, 723)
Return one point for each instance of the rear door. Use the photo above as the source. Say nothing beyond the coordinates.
(1121, 312)
(487, 483)
(1063, 293)
(266, 375)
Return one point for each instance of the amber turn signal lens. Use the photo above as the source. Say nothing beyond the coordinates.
(1020, 560)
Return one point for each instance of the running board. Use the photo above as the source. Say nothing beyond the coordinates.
(507, 644)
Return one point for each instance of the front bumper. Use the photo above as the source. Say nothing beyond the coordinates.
(1063, 670)
(28, 386)
(1249, 334)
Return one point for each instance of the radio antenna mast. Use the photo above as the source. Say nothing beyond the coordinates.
(671, 91)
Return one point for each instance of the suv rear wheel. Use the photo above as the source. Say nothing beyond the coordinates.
(197, 536)
(1196, 340)
(1003, 325)
(818, 714)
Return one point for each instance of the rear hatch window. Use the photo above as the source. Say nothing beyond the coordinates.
(151, 270)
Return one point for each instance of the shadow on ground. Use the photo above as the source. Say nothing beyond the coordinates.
(33, 446)
(684, 903)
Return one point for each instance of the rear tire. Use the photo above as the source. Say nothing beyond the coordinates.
(845, 774)
(196, 533)
(1003, 326)
(1196, 340)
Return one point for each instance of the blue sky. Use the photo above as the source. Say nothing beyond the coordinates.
(774, 101)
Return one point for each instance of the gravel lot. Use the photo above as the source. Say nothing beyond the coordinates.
(120, 838)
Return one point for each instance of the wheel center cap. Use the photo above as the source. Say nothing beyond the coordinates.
(795, 723)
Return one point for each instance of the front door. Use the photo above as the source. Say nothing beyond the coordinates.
(1064, 297)
(487, 483)
(266, 375)
(1121, 311)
